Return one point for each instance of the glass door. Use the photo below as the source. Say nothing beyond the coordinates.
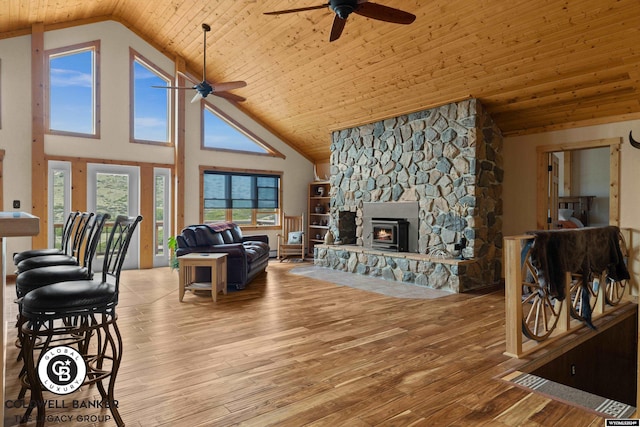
(114, 189)
(162, 211)
(59, 200)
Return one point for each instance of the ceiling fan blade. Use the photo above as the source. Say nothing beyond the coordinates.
(301, 9)
(196, 98)
(221, 87)
(230, 96)
(384, 13)
(188, 77)
(336, 29)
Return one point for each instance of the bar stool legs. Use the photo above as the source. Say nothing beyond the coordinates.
(99, 343)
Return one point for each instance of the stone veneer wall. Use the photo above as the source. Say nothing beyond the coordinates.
(449, 160)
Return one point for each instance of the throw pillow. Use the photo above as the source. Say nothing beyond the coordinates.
(564, 214)
(295, 238)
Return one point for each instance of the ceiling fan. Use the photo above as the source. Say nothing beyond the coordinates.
(205, 88)
(343, 8)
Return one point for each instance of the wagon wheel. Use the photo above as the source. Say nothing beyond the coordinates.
(540, 312)
(615, 289)
(579, 291)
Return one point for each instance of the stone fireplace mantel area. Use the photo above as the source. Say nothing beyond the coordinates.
(440, 169)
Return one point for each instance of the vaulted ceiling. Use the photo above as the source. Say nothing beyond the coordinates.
(535, 65)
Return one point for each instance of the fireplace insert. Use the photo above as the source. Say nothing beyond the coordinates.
(390, 234)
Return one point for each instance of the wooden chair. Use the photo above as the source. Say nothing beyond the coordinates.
(291, 240)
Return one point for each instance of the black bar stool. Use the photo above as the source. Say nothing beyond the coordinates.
(64, 243)
(83, 313)
(80, 235)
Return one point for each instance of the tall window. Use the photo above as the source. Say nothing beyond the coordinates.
(72, 104)
(151, 109)
(246, 198)
(221, 132)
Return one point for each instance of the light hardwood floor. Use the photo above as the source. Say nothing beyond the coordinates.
(295, 351)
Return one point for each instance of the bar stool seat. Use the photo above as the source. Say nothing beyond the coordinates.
(44, 276)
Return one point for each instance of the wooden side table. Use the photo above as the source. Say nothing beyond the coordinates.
(218, 264)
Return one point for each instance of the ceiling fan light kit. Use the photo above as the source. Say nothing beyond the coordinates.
(344, 8)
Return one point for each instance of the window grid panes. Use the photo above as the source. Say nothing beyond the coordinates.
(243, 198)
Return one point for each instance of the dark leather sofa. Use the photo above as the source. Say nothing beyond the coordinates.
(247, 256)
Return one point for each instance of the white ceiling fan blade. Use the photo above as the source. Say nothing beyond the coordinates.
(196, 98)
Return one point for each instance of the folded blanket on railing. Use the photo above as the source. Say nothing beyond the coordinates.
(582, 250)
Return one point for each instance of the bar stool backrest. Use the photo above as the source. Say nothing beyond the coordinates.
(92, 238)
(78, 232)
(66, 231)
(117, 247)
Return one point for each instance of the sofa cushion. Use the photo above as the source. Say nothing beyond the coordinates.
(189, 237)
(227, 236)
(216, 239)
(202, 236)
(237, 234)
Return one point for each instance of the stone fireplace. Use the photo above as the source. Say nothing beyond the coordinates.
(441, 170)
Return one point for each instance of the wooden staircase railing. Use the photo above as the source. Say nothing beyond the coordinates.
(535, 319)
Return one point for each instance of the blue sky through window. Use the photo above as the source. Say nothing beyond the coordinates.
(71, 92)
(72, 104)
(220, 134)
(151, 105)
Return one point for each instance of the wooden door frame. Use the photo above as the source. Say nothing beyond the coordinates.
(542, 155)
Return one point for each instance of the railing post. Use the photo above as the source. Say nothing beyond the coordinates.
(513, 295)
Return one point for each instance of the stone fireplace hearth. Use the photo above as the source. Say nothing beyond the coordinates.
(441, 169)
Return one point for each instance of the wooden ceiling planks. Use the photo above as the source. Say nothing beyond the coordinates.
(534, 65)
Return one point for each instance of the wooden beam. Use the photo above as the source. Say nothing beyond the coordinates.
(178, 201)
(147, 210)
(39, 183)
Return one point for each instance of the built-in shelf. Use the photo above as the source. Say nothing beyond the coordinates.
(319, 205)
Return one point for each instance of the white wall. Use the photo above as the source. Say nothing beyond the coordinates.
(113, 144)
(519, 191)
(15, 134)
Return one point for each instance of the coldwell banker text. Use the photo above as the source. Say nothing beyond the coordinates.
(59, 404)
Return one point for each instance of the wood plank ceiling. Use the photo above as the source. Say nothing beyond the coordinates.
(535, 65)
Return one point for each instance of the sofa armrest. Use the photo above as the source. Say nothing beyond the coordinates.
(256, 238)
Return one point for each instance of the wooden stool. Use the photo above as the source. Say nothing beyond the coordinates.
(218, 264)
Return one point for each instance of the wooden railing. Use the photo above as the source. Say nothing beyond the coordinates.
(534, 318)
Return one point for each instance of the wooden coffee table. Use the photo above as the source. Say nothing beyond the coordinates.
(218, 264)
